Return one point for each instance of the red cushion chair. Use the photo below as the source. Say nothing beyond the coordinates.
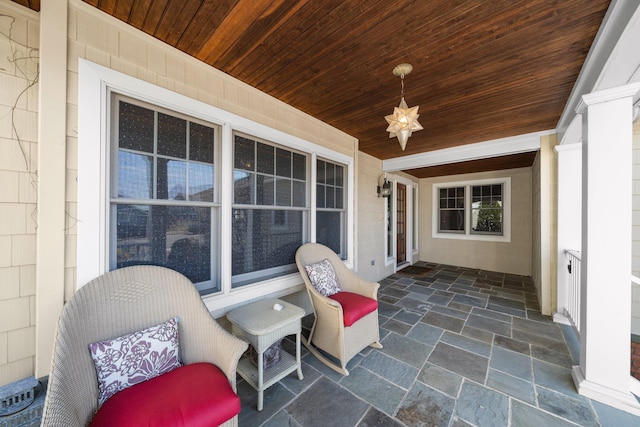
(200, 393)
(346, 322)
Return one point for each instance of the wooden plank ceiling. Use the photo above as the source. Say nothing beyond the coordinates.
(482, 69)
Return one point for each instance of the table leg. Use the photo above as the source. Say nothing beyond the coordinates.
(260, 380)
(300, 376)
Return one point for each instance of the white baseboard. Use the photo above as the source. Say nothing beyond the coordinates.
(623, 400)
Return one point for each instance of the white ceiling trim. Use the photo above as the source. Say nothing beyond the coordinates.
(481, 150)
(573, 134)
(624, 59)
(613, 47)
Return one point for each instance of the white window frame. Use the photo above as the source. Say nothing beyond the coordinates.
(253, 277)
(343, 211)
(114, 200)
(94, 85)
(468, 235)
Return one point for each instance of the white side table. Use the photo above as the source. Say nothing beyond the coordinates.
(262, 325)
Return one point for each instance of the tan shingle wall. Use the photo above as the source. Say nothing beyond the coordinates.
(18, 183)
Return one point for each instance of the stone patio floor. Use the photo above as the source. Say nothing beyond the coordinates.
(462, 347)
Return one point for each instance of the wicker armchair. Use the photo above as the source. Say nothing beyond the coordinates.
(329, 332)
(117, 303)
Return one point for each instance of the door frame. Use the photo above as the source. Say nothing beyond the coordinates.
(411, 221)
(401, 218)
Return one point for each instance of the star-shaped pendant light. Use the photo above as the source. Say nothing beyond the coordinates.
(404, 120)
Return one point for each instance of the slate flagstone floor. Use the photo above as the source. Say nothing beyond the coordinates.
(462, 347)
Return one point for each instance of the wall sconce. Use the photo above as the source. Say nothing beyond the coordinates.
(384, 186)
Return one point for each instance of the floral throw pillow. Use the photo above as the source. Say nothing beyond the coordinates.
(323, 277)
(131, 359)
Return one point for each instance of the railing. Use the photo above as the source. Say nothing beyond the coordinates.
(572, 311)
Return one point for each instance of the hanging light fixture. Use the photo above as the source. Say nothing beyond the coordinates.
(404, 120)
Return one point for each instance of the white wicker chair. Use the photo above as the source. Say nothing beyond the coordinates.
(328, 332)
(121, 302)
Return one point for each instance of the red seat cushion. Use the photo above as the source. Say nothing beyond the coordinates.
(354, 306)
(192, 395)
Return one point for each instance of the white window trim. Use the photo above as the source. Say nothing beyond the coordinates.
(94, 84)
(506, 220)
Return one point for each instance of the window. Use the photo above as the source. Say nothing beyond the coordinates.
(486, 209)
(474, 210)
(331, 209)
(173, 181)
(451, 213)
(269, 209)
(162, 192)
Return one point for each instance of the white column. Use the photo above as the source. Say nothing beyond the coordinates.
(603, 373)
(569, 217)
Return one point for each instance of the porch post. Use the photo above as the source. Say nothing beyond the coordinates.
(604, 370)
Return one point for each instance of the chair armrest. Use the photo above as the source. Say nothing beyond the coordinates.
(216, 345)
(228, 354)
(352, 283)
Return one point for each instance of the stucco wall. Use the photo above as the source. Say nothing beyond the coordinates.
(18, 183)
(508, 257)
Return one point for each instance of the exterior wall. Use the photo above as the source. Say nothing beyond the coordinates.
(370, 221)
(548, 220)
(536, 262)
(635, 254)
(508, 257)
(545, 234)
(18, 183)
